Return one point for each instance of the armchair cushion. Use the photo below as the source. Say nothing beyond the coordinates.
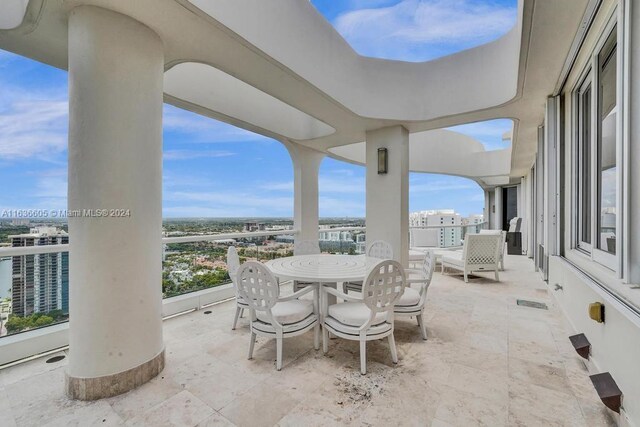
(287, 312)
(354, 314)
(410, 297)
(455, 258)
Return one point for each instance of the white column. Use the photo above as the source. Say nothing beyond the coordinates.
(306, 167)
(116, 69)
(487, 209)
(497, 225)
(388, 194)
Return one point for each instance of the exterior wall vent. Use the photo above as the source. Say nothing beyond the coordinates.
(608, 391)
(581, 344)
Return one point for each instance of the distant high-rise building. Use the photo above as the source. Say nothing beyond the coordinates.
(335, 236)
(473, 219)
(361, 243)
(40, 283)
(446, 221)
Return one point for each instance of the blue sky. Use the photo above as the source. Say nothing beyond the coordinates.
(215, 170)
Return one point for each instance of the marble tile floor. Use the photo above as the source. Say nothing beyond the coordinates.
(487, 362)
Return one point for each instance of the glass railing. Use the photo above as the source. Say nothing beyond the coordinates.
(190, 264)
(341, 240)
(34, 287)
(198, 265)
(442, 236)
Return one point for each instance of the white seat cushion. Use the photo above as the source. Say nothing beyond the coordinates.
(454, 258)
(409, 297)
(354, 314)
(287, 312)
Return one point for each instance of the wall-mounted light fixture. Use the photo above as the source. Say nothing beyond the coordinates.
(383, 161)
(596, 312)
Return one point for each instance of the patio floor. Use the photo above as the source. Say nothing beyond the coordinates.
(488, 361)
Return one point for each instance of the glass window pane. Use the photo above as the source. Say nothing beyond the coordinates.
(584, 153)
(607, 167)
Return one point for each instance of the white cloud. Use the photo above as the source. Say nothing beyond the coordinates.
(194, 154)
(490, 132)
(240, 200)
(489, 128)
(32, 127)
(204, 129)
(326, 184)
(341, 207)
(277, 186)
(418, 30)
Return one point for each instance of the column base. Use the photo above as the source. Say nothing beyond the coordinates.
(115, 384)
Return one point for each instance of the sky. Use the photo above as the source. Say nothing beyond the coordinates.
(212, 169)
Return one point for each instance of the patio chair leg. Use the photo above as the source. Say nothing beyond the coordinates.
(363, 357)
(235, 319)
(279, 353)
(423, 326)
(251, 344)
(316, 337)
(466, 277)
(392, 346)
(325, 340)
(497, 276)
(241, 312)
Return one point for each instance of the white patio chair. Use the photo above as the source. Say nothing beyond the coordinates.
(304, 247)
(378, 249)
(503, 247)
(412, 301)
(367, 317)
(233, 264)
(274, 316)
(480, 252)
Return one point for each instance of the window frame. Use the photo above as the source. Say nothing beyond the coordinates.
(590, 78)
(586, 84)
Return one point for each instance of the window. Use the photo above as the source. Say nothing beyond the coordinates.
(596, 148)
(584, 164)
(607, 143)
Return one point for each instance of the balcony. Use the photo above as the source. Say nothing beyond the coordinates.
(488, 361)
(498, 352)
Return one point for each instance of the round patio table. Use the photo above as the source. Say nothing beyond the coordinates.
(323, 268)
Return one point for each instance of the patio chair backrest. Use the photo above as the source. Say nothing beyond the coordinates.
(383, 286)
(380, 249)
(257, 286)
(233, 262)
(306, 247)
(428, 266)
(482, 249)
(495, 233)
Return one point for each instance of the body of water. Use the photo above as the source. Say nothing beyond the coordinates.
(5, 277)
